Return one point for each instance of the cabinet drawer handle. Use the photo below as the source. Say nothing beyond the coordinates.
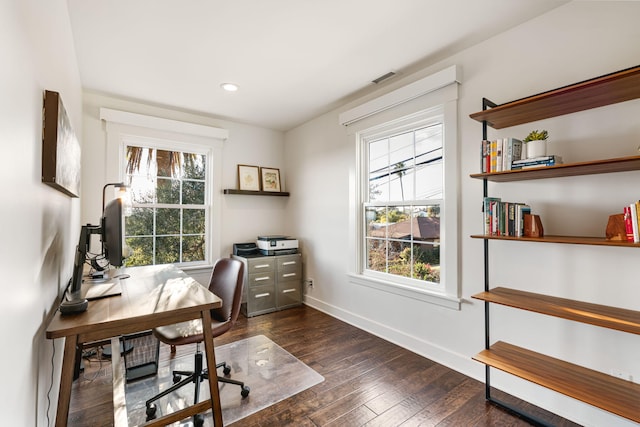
(258, 279)
(261, 266)
(262, 295)
(286, 291)
(288, 274)
(288, 262)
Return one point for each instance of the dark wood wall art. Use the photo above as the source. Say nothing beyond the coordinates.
(60, 147)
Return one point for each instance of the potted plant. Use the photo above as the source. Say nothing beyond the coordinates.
(536, 143)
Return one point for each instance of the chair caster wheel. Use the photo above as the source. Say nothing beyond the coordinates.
(245, 391)
(198, 420)
(151, 411)
(176, 378)
(226, 370)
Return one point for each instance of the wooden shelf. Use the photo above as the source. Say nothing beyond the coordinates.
(256, 193)
(595, 388)
(594, 314)
(604, 90)
(620, 164)
(573, 240)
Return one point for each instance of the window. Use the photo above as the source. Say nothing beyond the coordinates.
(175, 171)
(405, 203)
(168, 221)
(402, 210)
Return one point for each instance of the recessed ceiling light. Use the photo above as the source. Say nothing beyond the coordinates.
(229, 87)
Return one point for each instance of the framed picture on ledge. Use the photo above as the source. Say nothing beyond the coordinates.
(248, 178)
(270, 179)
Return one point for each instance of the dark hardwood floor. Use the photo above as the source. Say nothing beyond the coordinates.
(368, 381)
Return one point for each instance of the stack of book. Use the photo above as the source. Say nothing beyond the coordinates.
(632, 222)
(504, 218)
(498, 155)
(536, 162)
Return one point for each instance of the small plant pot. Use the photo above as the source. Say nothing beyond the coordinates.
(537, 148)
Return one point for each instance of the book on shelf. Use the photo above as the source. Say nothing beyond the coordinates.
(628, 226)
(494, 155)
(521, 211)
(512, 151)
(634, 209)
(503, 218)
(485, 156)
(536, 162)
(497, 155)
(487, 210)
(637, 221)
(514, 219)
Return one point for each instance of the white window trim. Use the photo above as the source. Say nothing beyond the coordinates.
(448, 295)
(122, 126)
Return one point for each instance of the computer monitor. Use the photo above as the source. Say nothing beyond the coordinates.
(111, 231)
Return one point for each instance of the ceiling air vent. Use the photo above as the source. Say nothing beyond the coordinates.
(383, 77)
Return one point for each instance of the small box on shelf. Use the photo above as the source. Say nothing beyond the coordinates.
(616, 229)
(533, 226)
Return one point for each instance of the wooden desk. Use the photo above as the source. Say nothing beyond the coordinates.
(153, 296)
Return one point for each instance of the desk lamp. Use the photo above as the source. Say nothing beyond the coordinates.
(119, 185)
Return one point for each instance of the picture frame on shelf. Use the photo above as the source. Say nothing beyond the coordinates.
(248, 178)
(270, 179)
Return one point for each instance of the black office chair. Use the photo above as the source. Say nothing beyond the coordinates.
(226, 282)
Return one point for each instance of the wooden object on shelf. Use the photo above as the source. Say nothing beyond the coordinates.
(533, 226)
(595, 388)
(615, 228)
(256, 193)
(597, 92)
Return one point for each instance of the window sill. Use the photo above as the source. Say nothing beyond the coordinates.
(432, 297)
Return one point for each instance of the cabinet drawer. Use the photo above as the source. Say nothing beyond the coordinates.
(289, 262)
(289, 294)
(288, 275)
(261, 299)
(260, 265)
(261, 279)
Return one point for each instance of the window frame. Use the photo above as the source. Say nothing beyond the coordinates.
(442, 101)
(171, 135)
(177, 146)
(413, 122)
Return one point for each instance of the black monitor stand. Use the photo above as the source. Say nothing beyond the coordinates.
(73, 302)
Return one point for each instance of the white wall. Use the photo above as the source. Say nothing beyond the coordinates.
(575, 42)
(39, 224)
(243, 217)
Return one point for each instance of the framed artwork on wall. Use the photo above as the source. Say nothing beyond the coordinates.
(270, 179)
(248, 178)
(60, 147)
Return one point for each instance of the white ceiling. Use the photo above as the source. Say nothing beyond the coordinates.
(293, 59)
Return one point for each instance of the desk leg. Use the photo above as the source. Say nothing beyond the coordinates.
(216, 408)
(66, 380)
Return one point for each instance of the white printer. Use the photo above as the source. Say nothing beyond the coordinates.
(277, 245)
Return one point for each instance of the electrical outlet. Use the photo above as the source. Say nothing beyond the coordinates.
(621, 374)
(309, 283)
